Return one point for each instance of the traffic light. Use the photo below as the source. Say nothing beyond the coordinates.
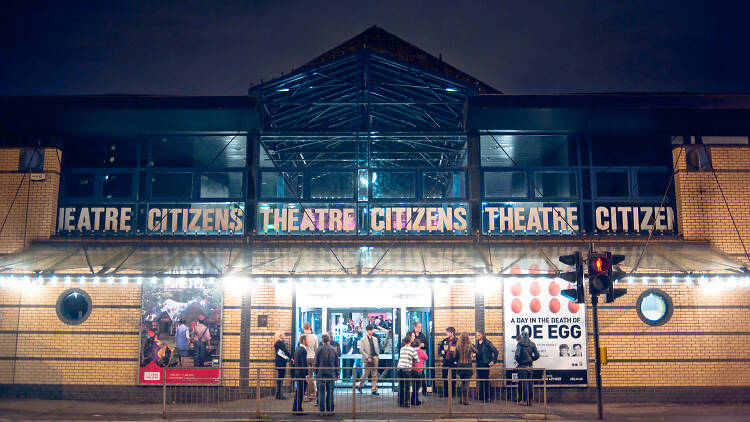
(602, 275)
(574, 260)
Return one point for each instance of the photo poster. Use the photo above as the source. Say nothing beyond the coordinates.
(555, 324)
(180, 331)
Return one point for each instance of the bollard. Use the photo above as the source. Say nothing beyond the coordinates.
(450, 391)
(257, 392)
(544, 375)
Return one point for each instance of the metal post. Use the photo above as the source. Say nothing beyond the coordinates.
(450, 391)
(354, 394)
(257, 392)
(594, 302)
(544, 381)
(164, 394)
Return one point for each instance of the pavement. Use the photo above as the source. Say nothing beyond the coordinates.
(68, 410)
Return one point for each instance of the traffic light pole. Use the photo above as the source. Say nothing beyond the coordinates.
(598, 357)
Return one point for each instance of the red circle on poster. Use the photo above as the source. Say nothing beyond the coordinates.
(573, 307)
(516, 305)
(535, 288)
(554, 289)
(515, 289)
(534, 269)
(554, 305)
(535, 305)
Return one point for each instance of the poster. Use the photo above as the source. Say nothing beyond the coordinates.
(180, 333)
(555, 324)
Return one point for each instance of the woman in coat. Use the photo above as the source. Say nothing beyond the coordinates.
(281, 358)
(465, 352)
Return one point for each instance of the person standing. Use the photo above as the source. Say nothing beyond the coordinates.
(407, 357)
(447, 349)
(370, 349)
(419, 335)
(312, 346)
(281, 358)
(418, 372)
(299, 374)
(202, 340)
(326, 359)
(465, 352)
(526, 354)
(487, 355)
(182, 340)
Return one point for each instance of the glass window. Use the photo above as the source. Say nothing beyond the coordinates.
(328, 185)
(654, 307)
(221, 185)
(444, 184)
(281, 185)
(101, 152)
(73, 306)
(387, 184)
(79, 185)
(31, 160)
(612, 184)
(338, 152)
(172, 185)
(555, 184)
(652, 183)
(528, 150)
(628, 150)
(362, 185)
(417, 151)
(506, 184)
(199, 151)
(117, 185)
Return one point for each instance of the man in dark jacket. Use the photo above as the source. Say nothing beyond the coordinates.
(486, 357)
(326, 362)
(526, 354)
(299, 373)
(447, 350)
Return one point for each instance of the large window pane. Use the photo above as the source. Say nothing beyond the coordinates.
(627, 150)
(172, 185)
(337, 152)
(444, 184)
(392, 184)
(528, 150)
(652, 183)
(221, 185)
(79, 185)
(199, 151)
(109, 152)
(612, 184)
(328, 185)
(555, 184)
(117, 185)
(281, 185)
(417, 151)
(506, 184)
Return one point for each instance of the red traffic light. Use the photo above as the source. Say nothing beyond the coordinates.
(598, 264)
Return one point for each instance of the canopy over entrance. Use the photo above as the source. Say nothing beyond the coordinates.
(323, 259)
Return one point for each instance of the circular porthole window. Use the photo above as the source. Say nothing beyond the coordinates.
(73, 306)
(654, 307)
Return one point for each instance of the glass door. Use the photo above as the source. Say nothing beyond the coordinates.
(422, 315)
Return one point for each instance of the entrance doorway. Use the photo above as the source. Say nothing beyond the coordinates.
(346, 311)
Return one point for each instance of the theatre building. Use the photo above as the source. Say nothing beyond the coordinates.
(376, 184)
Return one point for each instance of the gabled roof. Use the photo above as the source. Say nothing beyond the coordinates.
(383, 42)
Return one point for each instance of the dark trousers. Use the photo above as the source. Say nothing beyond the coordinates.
(417, 384)
(405, 387)
(451, 365)
(483, 387)
(299, 394)
(280, 373)
(200, 353)
(325, 394)
(525, 373)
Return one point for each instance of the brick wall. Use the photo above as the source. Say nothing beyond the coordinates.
(33, 214)
(701, 211)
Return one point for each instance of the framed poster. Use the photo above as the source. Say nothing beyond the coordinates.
(555, 324)
(180, 334)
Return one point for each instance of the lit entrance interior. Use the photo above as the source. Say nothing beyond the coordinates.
(346, 310)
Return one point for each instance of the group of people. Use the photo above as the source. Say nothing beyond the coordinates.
(312, 361)
(196, 334)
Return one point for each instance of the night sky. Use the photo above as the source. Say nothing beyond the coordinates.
(221, 47)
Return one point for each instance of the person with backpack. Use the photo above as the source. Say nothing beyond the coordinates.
(526, 354)
(202, 341)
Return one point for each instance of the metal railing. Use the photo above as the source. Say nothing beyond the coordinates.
(461, 391)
